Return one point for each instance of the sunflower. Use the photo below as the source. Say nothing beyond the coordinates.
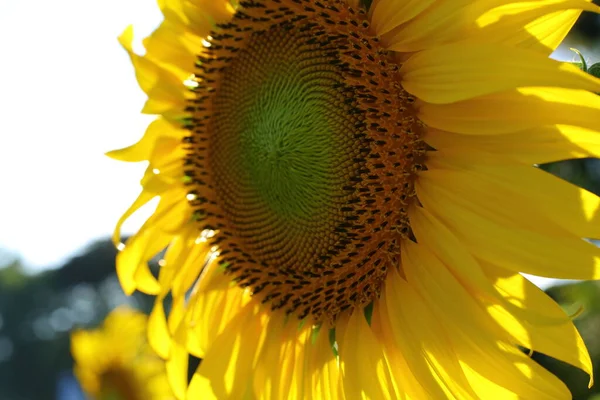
(115, 362)
(348, 195)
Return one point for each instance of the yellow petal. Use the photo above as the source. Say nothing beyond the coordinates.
(165, 90)
(142, 150)
(226, 372)
(179, 307)
(286, 345)
(472, 331)
(143, 199)
(171, 201)
(525, 295)
(325, 376)
(534, 146)
(189, 270)
(132, 261)
(83, 348)
(389, 14)
(537, 25)
(177, 252)
(429, 276)
(503, 112)
(461, 71)
(560, 340)
(520, 249)
(269, 382)
(431, 233)
(212, 306)
(177, 370)
(520, 376)
(442, 22)
(423, 341)
(158, 332)
(172, 9)
(365, 371)
(550, 30)
(406, 385)
(560, 206)
(203, 15)
(174, 47)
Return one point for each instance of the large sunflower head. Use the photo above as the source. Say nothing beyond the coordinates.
(348, 196)
(115, 362)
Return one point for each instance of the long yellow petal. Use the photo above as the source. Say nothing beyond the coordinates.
(430, 277)
(132, 267)
(423, 340)
(503, 112)
(214, 303)
(203, 15)
(177, 370)
(365, 371)
(142, 150)
(158, 331)
(441, 241)
(406, 385)
(444, 21)
(165, 90)
(461, 71)
(226, 371)
(562, 342)
(521, 249)
(325, 380)
(550, 30)
(174, 47)
(561, 206)
(474, 333)
(521, 377)
(287, 346)
(491, 319)
(389, 14)
(534, 146)
(444, 243)
(536, 25)
(179, 248)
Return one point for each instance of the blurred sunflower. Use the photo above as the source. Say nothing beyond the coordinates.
(115, 362)
(348, 196)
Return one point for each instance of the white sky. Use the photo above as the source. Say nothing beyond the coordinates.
(67, 95)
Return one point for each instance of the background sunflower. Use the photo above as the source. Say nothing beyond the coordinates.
(115, 362)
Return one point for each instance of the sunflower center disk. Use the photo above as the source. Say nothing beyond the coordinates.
(302, 155)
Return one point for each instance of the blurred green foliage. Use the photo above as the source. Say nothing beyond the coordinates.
(37, 312)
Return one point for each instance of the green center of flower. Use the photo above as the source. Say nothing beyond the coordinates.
(282, 149)
(302, 155)
(285, 142)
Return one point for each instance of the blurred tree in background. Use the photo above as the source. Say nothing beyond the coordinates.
(37, 313)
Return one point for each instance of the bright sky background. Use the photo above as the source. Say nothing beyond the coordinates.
(67, 95)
